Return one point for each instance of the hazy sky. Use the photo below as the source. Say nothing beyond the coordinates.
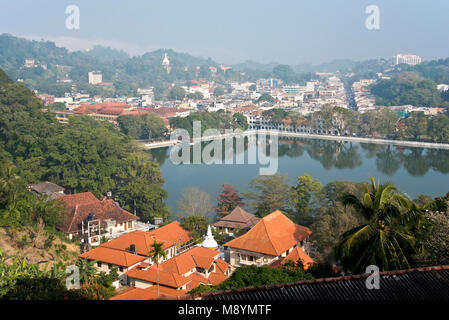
(231, 31)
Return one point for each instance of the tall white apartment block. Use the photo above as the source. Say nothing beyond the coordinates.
(407, 58)
(95, 77)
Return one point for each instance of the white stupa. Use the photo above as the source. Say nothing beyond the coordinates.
(166, 63)
(209, 241)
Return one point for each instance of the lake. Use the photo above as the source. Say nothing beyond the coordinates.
(414, 170)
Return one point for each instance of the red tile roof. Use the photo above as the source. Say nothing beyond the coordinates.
(170, 235)
(168, 279)
(79, 205)
(166, 112)
(273, 235)
(222, 266)
(237, 219)
(175, 268)
(215, 278)
(112, 256)
(298, 254)
(172, 232)
(191, 259)
(114, 108)
(149, 293)
(142, 240)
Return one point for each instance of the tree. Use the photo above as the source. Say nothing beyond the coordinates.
(195, 96)
(58, 106)
(156, 254)
(438, 128)
(197, 225)
(386, 240)
(259, 276)
(265, 97)
(153, 126)
(87, 269)
(307, 194)
(177, 93)
(140, 189)
(435, 240)
(194, 202)
(219, 91)
(252, 87)
(416, 124)
(240, 120)
(285, 73)
(270, 193)
(228, 199)
(130, 125)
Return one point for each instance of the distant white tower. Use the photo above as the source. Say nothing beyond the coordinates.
(166, 63)
(209, 241)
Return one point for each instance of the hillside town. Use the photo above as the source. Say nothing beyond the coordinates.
(249, 98)
(244, 153)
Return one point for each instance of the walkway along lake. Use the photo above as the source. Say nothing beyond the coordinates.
(416, 168)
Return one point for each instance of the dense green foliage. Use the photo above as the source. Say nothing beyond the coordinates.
(19, 207)
(387, 239)
(407, 88)
(381, 123)
(197, 225)
(258, 276)
(86, 155)
(148, 126)
(219, 120)
(22, 281)
(265, 97)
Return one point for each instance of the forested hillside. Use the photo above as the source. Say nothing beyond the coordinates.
(408, 88)
(86, 155)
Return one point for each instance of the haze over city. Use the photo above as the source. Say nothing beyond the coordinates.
(289, 32)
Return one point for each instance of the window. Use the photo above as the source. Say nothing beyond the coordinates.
(109, 266)
(121, 269)
(99, 264)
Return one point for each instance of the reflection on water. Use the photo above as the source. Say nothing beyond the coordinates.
(349, 155)
(414, 170)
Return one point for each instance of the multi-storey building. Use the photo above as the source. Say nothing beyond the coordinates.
(407, 58)
(95, 77)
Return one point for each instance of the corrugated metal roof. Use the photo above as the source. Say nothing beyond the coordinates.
(414, 284)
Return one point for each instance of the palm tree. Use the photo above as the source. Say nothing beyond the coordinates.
(387, 237)
(156, 253)
(87, 270)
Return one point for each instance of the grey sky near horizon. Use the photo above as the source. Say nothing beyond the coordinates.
(232, 31)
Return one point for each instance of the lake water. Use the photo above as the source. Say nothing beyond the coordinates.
(414, 170)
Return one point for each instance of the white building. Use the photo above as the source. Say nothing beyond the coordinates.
(29, 63)
(407, 58)
(442, 87)
(95, 77)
